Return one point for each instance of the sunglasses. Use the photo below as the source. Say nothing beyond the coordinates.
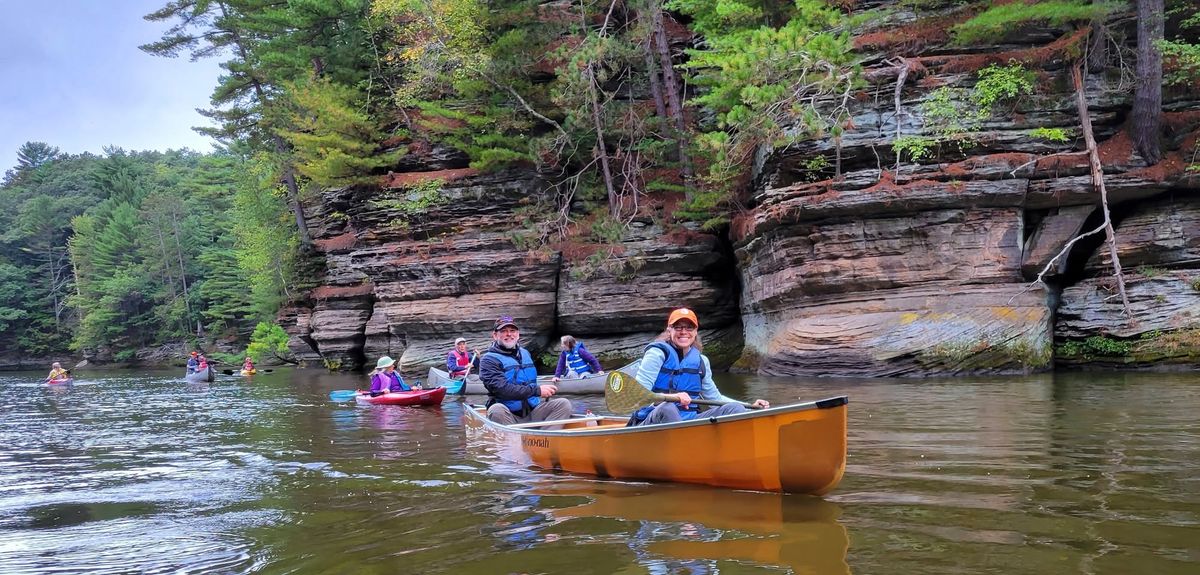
(683, 327)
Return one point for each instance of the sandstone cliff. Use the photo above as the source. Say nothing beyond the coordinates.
(885, 269)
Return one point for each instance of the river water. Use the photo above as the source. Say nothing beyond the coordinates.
(136, 472)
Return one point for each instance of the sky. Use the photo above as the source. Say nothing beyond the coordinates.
(71, 75)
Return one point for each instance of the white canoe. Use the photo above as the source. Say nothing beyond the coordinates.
(201, 376)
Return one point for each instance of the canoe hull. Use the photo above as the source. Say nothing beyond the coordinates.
(797, 448)
(432, 396)
(582, 386)
(68, 381)
(440, 378)
(201, 376)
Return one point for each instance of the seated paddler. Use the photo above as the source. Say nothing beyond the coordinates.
(508, 373)
(672, 364)
(385, 379)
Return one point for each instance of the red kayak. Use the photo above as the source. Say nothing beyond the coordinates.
(433, 396)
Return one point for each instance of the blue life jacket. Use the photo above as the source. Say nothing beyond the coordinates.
(675, 376)
(523, 373)
(575, 361)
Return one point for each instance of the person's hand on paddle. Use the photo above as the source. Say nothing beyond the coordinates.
(761, 404)
(547, 390)
(684, 399)
(555, 380)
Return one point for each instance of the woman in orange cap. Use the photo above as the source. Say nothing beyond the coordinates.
(673, 364)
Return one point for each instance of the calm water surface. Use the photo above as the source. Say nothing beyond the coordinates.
(141, 473)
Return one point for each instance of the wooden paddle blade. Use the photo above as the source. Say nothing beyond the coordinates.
(623, 393)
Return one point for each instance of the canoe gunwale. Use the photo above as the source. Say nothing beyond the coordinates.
(828, 403)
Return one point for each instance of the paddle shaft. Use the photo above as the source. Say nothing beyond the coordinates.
(675, 398)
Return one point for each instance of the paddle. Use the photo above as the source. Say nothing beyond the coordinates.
(348, 394)
(342, 394)
(623, 394)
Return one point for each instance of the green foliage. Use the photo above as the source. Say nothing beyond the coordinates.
(952, 114)
(1184, 62)
(1000, 19)
(915, 148)
(268, 339)
(336, 143)
(1057, 135)
(1095, 346)
(418, 199)
(1151, 272)
(999, 84)
(265, 242)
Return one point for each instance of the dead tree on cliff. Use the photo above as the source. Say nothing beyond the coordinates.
(1097, 173)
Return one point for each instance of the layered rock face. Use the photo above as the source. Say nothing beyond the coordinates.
(928, 267)
(885, 268)
(406, 285)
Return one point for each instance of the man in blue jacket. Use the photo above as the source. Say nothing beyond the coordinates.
(508, 373)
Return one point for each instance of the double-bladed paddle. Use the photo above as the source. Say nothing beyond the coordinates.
(623, 394)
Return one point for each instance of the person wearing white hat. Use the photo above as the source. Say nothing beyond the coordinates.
(459, 362)
(385, 379)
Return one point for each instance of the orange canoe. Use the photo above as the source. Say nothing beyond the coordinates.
(799, 448)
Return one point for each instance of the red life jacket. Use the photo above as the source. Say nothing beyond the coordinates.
(462, 359)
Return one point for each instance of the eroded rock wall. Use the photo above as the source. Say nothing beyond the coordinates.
(845, 260)
(406, 285)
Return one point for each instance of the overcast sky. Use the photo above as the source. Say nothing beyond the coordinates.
(71, 75)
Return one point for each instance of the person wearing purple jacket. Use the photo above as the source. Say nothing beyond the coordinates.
(575, 361)
(385, 379)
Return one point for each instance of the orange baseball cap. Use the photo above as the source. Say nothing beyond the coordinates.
(683, 313)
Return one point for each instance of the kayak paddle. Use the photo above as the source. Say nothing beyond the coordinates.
(342, 394)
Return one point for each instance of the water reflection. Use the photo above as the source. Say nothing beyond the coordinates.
(682, 528)
(132, 472)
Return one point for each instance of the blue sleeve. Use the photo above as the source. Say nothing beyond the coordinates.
(649, 367)
(708, 387)
(451, 365)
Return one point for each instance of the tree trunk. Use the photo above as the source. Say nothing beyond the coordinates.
(1085, 121)
(1147, 96)
(660, 106)
(614, 205)
(1097, 52)
(672, 91)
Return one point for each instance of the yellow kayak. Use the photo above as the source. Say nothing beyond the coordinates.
(249, 371)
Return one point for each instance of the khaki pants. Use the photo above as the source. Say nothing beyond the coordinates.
(547, 410)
